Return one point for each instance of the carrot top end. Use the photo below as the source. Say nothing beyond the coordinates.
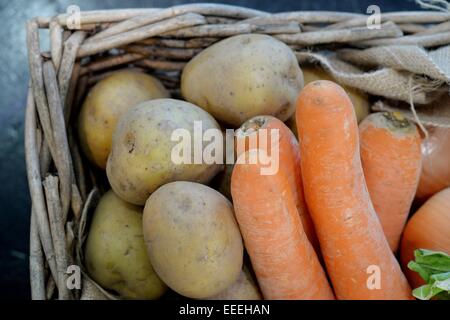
(396, 122)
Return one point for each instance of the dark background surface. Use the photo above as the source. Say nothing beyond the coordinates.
(14, 198)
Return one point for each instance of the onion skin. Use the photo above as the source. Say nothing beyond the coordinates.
(429, 228)
(435, 174)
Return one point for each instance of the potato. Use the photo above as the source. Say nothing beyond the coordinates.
(141, 156)
(106, 102)
(244, 288)
(244, 76)
(193, 239)
(116, 255)
(359, 99)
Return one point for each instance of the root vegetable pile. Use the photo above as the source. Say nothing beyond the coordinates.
(210, 195)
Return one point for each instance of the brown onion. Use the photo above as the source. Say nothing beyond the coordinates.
(435, 174)
(429, 228)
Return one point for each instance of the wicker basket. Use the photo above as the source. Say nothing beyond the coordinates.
(63, 187)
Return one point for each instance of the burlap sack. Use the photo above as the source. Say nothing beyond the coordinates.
(434, 64)
(397, 84)
(435, 114)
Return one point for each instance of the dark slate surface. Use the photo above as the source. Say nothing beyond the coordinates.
(14, 199)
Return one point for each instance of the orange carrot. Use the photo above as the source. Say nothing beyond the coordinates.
(391, 160)
(429, 228)
(289, 149)
(283, 259)
(353, 245)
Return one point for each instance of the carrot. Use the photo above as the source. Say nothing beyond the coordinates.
(289, 149)
(391, 160)
(428, 228)
(283, 259)
(353, 245)
(435, 163)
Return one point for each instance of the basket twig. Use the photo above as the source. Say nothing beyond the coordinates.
(109, 62)
(396, 17)
(61, 155)
(56, 42)
(438, 28)
(70, 96)
(387, 30)
(179, 43)
(160, 64)
(58, 235)
(186, 20)
(37, 277)
(162, 52)
(427, 40)
(37, 81)
(36, 192)
(71, 47)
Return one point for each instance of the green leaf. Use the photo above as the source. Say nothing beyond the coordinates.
(442, 281)
(423, 272)
(434, 268)
(426, 292)
(433, 260)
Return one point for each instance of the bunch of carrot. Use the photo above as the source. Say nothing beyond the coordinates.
(338, 204)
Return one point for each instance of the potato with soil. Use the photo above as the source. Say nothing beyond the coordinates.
(116, 255)
(244, 76)
(244, 288)
(106, 102)
(141, 157)
(192, 239)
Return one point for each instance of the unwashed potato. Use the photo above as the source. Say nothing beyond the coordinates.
(359, 99)
(244, 76)
(141, 156)
(116, 255)
(193, 239)
(106, 102)
(244, 288)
